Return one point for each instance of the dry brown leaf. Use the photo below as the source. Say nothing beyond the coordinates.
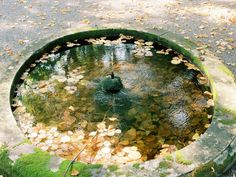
(74, 173)
(112, 118)
(65, 10)
(210, 103)
(85, 21)
(233, 19)
(175, 62)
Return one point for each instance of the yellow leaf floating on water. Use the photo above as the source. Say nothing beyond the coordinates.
(71, 108)
(196, 136)
(209, 116)
(92, 133)
(149, 43)
(84, 123)
(175, 62)
(208, 94)
(191, 66)
(101, 125)
(160, 52)
(210, 102)
(112, 118)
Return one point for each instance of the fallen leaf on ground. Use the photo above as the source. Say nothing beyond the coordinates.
(74, 173)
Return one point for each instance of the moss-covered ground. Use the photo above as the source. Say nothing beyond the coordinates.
(37, 165)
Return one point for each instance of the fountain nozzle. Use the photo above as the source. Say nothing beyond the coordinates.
(112, 84)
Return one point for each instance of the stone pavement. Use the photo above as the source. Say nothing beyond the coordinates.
(211, 23)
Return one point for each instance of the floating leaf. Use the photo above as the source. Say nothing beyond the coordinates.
(209, 116)
(196, 136)
(93, 133)
(71, 108)
(208, 94)
(191, 66)
(65, 139)
(175, 62)
(160, 52)
(84, 123)
(71, 44)
(210, 102)
(113, 119)
(148, 54)
(101, 125)
(149, 43)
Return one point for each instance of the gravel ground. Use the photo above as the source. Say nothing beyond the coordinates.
(211, 23)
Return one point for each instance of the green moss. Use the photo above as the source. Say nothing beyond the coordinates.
(26, 141)
(181, 159)
(136, 165)
(164, 164)
(85, 170)
(204, 170)
(225, 70)
(113, 167)
(169, 157)
(164, 174)
(228, 122)
(37, 165)
(229, 115)
(212, 168)
(228, 111)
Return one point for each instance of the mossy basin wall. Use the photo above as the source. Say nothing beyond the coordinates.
(211, 155)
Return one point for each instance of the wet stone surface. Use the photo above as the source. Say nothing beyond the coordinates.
(62, 107)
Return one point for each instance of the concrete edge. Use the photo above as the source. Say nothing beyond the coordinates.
(201, 153)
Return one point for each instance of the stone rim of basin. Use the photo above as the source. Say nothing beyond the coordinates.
(215, 148)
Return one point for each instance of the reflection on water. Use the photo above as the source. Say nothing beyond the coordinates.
(161, 103)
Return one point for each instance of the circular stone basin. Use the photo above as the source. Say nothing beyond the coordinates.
(62, 106)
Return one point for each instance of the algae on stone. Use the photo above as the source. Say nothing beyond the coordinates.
(179, 157)
(113, 168)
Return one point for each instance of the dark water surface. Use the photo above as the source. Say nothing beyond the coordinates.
(161, 103)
